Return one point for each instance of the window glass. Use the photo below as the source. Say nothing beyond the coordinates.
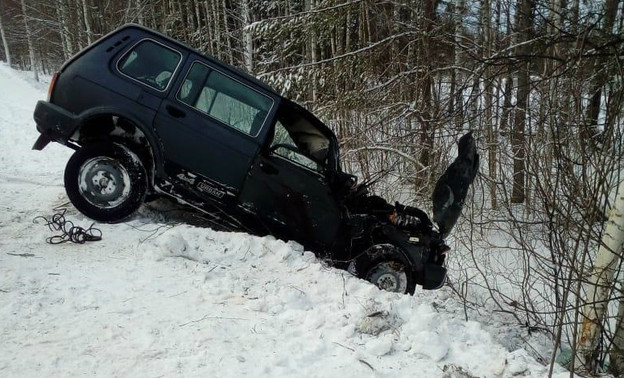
(281, 135)
(297, 157)
(294, 128)
(205, 100)
(150, 63)
(225, 99)
(281, 138)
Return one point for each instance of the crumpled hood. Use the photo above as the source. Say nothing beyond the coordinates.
(452, 187)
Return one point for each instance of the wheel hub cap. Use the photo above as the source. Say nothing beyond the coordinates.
(389, 276)
(103, 182)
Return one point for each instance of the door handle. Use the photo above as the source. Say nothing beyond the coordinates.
(175, 112)
(268, 168)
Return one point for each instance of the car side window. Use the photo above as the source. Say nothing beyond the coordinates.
(150, 63)
(225, 99)
(284, 146)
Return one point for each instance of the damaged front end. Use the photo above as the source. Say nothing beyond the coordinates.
(398, 247)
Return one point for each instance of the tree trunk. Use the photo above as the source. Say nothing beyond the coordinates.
(311, 49)
(601, 284)
(228, 37)
(456, 101)
(198, 17)
(505, 121)
(592, 114)
(489, 124)
(31, 49)
(87, 20)
(213, 29)
(63, 30)
(5, 42)
(616, 356)
(247, 36)
(139, 9)
(426, 82)
(524, 23)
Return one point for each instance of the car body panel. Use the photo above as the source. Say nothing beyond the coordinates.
(296, 202)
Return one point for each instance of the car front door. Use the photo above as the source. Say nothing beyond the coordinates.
(289, 192)
(209, 127)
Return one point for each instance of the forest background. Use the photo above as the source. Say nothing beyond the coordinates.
(538, 81)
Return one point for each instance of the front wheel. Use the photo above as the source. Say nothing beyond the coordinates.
(106, 181)
(383, 266)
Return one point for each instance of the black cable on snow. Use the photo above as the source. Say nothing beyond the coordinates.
(67, 231)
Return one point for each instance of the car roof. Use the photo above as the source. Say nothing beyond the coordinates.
(243, 74)
(128, 27)
(326, 130)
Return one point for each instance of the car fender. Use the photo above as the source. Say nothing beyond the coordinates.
(413, 254)
(144, 124)
(429, 275)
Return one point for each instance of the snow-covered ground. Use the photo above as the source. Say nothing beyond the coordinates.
(160, 298)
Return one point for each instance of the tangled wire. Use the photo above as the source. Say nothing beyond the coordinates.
(67, 231)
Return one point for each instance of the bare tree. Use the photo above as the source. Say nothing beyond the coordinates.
(5, 42)
(29, 39)
(247, 35)
(87, 21)
(600, 288)
(524, 20)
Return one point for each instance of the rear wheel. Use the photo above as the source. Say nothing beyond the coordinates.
(105, 181)
(383, 266)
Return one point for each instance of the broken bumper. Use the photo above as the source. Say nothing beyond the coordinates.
(429, 275)
(433, 277)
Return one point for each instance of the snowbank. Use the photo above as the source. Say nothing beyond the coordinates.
(159, 298)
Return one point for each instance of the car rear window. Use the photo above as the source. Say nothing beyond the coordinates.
(150, 63)
(225, 99)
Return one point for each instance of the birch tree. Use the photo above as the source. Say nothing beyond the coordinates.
(600, 287)
(87, 20)
(29, 38)
(61, 10)
(247, 35)
(5, 42)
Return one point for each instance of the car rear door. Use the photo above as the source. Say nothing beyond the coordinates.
(209, 127)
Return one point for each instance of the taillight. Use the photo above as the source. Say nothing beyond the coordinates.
(52, 84)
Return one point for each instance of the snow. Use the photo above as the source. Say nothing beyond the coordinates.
(160, 297)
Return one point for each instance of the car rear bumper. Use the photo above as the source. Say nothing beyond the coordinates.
(54, 123)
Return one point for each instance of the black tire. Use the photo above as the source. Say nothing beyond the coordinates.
(383, 266)
(105, 181)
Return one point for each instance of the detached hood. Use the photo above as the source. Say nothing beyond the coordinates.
(452, 187)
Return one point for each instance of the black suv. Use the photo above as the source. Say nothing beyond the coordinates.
(148, 115)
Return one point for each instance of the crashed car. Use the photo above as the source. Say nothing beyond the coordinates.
(147, 115)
